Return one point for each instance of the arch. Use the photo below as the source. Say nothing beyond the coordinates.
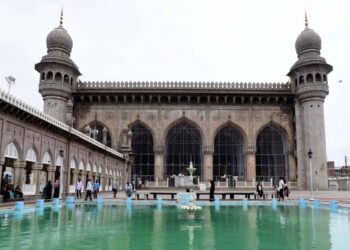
(72, 164)
(42, 76)
(230, 123)
(11, 151)
(301, 80)
(81, 165)
(58, 77)
(59, 161)
(177, 121)
(88, 167)
(296, 82)
(183, 145)
(309, 78)
(94, 168)
(66, 79)
(229, 155)
(99, 126)
(49, 75)
(144, 124)
(31, 155)
(47, 159)
(142, 145)
(271, 154)
(100, 171)
(324, 78)
(318, 77)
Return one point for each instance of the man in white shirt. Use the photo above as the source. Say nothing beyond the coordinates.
(88, 190)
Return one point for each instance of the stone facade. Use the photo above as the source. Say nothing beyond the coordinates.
(278, 122)
(30, 145)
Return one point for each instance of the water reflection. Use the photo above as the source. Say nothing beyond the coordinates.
(123, 227)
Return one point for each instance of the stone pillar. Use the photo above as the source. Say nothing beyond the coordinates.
(251, 166)
(83, 179)
(2, 161)
(19, 167)
(51, 174)
(292, 166)
(159, 162)
(64, 181)
(207, 173)
(75, 176)
(36, 169)
(103, 182)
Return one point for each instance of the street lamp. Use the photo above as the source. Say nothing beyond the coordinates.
(61, 152)
(311, 182)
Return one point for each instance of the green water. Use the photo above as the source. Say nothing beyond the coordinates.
(146, 227)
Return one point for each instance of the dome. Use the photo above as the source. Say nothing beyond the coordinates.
(308, 40)
(59, 38)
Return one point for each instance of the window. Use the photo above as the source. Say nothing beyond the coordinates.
(66, 79)
(271, 156)
(183, 145)
(142, 147)
(97, 133)
(229, 158)
(58, 77)
(309, 78)
(49, 75)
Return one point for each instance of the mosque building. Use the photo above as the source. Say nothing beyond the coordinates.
(233, 132)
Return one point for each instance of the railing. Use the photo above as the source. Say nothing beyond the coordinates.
(183, 85)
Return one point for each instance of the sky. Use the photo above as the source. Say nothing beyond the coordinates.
(181, 40)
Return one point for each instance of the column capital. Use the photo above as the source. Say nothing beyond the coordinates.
(158, 149)
(19, 164)
(37, 166)
(76, 171)
(251, 149)
(208, 149)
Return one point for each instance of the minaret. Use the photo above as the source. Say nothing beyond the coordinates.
(58, 74)
(310, 86)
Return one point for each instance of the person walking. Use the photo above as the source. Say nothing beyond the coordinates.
(79, 188)
(128, 189)
(88, 190)
(56, 189)
(212, 190)
(96, 188)
(115, 188)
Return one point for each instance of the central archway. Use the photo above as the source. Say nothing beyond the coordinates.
(142, 148)
(229, 157)
(183, 145)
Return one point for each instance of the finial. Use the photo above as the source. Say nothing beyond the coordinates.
(61, 18)
(306, 21)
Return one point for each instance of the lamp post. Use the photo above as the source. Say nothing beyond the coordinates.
(311, 182)
(61, 152)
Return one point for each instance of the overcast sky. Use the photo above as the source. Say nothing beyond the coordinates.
(183, 40)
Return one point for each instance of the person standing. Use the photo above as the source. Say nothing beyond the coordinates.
(259, 190)
(47, 191)
(280, 189)
(78, 188)
(128, 189)
(88, 190)
(115, 188)
(56, 189)
(212, 190)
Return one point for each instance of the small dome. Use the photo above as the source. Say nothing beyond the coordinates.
(308, 40)
(59, 38)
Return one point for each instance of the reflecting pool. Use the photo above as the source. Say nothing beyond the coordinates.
(149, 227)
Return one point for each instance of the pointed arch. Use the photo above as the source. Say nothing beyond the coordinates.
(271, 153)
(142, 145)
(81, 165)
(31, 155)
(234, 125)
(144, 124)
(12, 150)
(47, 158)
(72, 163)
(59, 161)
(99, 126)
(180, 120)
(229, 157)
(94, 168)
(88, 167)
(183, 144)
